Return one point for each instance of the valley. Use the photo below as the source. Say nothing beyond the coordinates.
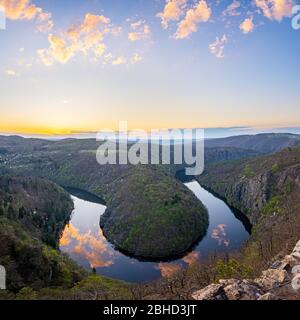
(150, 214)
(84, 241)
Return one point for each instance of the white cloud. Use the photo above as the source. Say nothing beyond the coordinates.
(118, 61)
(11, 73)
(136, 58)
(201, 12)
(140, 31)
(247, 25)
(25, 10)
(116, 31)
(84, 37)
(217, 47)
(275, 9)
(173, 10)
(45, 23)
(45, 57)
(231, 10)
(100, 49)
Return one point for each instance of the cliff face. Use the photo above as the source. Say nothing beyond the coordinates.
(251, 194)
(255, 186)
(280, 281)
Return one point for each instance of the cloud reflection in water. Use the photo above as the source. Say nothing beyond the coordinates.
(90, 245)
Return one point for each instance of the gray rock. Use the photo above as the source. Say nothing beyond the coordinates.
(296, 255)
(268, 296)
(297, 246)
(274, 283)
(212, 292)
(272, 278)
(287, 263)
(243, 290)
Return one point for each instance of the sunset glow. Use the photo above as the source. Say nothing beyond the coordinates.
(69, 68)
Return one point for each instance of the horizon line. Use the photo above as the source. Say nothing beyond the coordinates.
(211, 132)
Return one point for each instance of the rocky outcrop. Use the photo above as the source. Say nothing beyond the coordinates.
(255, 186)
(231, 289)
(247, 194)
(252, 194)
(281, 281)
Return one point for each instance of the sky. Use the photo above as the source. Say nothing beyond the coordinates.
(74, 66)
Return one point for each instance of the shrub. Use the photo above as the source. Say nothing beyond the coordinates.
(26, 293)
(232, 269)
(248, 171)
(275, 168)
(272, 206)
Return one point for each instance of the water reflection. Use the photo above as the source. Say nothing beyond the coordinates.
(219, 234)
(167, 269)
(84, 242)
(191, 257)
(90, 245)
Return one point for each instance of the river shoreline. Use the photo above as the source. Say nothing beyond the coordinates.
(83, 240)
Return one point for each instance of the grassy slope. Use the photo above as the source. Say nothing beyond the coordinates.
(153, 215)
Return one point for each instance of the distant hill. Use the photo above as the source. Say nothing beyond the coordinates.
(263, 143)
(244, 144)
(216, 154)
(10, 144)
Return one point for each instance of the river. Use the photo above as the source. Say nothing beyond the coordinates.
(83, 239)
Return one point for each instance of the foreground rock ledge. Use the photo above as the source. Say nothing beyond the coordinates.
(278, 282)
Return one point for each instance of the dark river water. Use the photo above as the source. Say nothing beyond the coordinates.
(84, 242)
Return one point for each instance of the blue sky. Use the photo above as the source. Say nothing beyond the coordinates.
(73, 66)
